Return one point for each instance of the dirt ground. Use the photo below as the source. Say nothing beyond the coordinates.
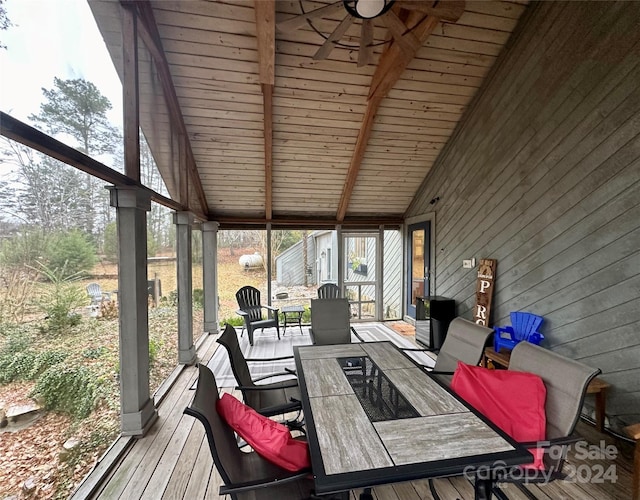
(31, 456)
(231, 277)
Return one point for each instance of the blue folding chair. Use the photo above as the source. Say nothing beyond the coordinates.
(524, 326)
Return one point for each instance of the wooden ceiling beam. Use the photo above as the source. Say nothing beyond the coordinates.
(393, 62)
(395, 59)
(298, 222)
(265, 12)
(148, 32)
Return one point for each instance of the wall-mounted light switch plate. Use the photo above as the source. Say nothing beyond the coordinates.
(469, 263)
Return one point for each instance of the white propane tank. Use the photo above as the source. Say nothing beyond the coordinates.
(251, 261)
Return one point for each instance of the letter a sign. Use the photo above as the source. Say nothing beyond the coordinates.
(484, 291)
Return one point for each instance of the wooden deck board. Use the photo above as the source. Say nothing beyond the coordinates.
(174, 462)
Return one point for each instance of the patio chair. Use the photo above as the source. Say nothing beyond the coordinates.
(566, 382)
(329, 291)
(251, 310)
(465, 341)
(524, 326)
(268, 399)
(96, 294)
(330, 322)
(246, 475)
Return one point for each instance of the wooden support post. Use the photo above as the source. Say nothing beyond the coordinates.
(186, 348)
(137, 410)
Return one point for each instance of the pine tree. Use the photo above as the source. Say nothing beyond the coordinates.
(76, 109)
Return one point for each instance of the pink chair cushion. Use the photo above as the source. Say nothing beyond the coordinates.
(514, 401)
(268, 438)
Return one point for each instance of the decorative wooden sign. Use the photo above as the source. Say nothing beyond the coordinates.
(484, 291)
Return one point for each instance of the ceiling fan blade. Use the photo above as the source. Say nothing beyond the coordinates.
(400, 32)
(366, 38)
(300, 20)
(334, 37)
(447, 10)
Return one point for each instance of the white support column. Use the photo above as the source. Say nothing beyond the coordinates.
(137, 412)
(186, 349)
(269, 293)
(210, 275)
(380, 275)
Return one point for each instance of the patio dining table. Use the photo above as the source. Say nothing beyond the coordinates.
(373, 416)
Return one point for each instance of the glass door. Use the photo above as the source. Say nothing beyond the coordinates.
(360, 285)
(418, 258)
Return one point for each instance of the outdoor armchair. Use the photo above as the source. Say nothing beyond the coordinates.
(329, 291)
(465, 341)
(330, 322)
(524, 327)
(96, 294)
(251, 310)
(268, 399)
(246, 475)
(566, 382)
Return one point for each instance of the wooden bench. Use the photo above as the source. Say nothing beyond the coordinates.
(597, 386)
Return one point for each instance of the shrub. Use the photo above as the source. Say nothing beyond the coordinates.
(71, 253)
(154, 348)
(170, 300)
(110, 242)
(18, 363)
(60, 301)
(73, 390)
(17, 285)
(45, 360)
(198, 297)
(16, 342)
(233, 321)
(108, 310)
(24, 249)
(93, 352)
(16, 367)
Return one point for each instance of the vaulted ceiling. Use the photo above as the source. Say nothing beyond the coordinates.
(294, 111)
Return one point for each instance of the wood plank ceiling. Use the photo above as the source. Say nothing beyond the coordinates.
(286, 126)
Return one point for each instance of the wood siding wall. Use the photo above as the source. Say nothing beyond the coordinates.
(290, 264)
(392, 275)
(543, 175)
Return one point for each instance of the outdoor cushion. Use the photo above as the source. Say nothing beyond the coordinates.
(268, 438)
(514, 401)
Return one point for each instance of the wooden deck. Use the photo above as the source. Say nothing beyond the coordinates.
(173, 462)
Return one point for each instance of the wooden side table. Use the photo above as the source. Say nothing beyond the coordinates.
(634, 432)
(597, 386)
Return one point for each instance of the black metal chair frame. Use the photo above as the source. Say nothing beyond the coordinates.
(465, 341)
(566, 381)
(330, 322)
(282, 396)
(246, 475)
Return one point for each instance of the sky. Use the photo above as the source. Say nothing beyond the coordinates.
(52, 38)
